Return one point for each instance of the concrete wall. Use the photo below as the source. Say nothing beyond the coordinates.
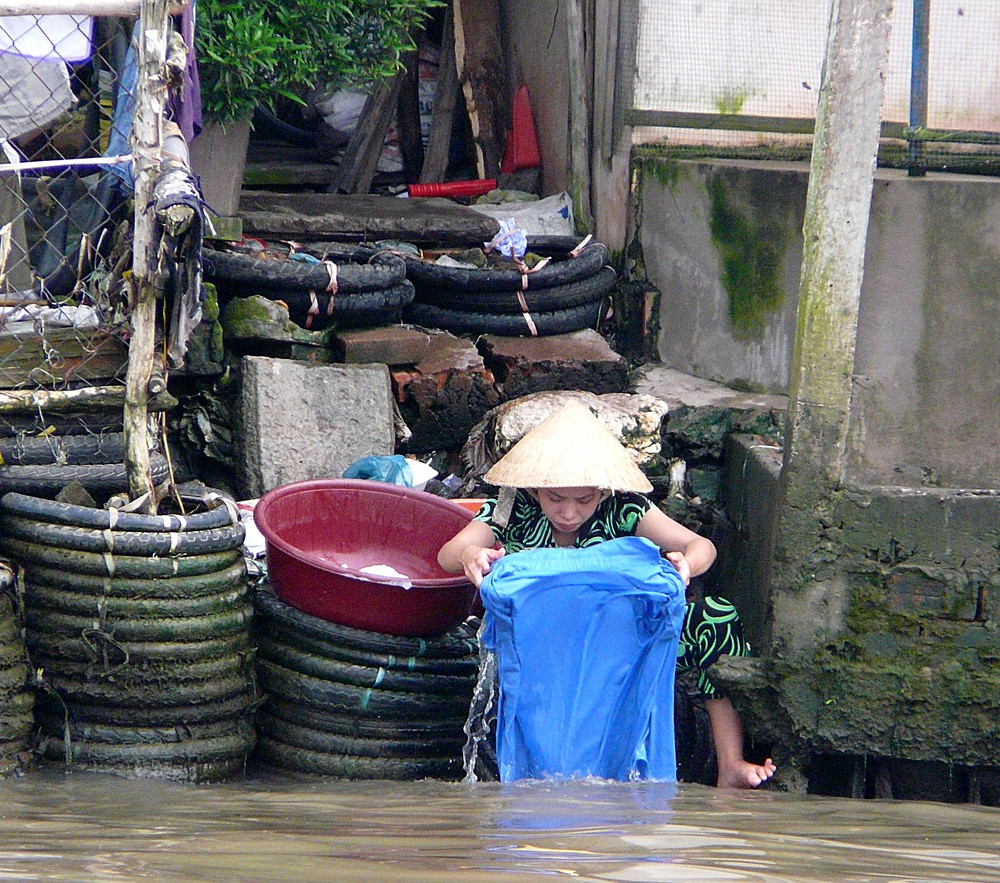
(721, 241)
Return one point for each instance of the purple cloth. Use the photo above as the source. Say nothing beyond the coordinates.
(185, 108)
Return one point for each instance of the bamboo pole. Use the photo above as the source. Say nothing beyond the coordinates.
(151, 97)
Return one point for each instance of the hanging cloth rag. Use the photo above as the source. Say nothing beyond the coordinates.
(32, 94)
(47, 37)
(586, 644)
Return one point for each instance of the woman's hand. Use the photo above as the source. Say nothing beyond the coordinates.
(681, 565)
(477, 561)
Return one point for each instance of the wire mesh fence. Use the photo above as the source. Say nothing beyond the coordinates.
(727, 78)
(65, 246)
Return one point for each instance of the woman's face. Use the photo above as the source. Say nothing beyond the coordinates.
(568, 507)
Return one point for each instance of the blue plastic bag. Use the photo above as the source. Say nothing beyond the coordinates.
(586, 646)
(392, 469)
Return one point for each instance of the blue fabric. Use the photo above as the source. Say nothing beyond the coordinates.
(586, 645)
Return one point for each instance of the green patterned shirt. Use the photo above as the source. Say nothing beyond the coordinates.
(528, 527)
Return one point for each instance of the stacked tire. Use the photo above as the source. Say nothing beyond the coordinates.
(349, 288)
(42, 465)
(16, 699)
(353, 704)
(568, 294)
(140, 628)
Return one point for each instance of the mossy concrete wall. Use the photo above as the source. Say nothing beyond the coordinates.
(887, 640)
(721, 242)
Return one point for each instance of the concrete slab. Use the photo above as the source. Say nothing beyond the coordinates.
(359, 218)
(677, 389)
(581, 360)
(300, 421)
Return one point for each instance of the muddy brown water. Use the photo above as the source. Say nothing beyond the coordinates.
(89, 827)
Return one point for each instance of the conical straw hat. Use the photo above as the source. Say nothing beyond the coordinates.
(570, 448)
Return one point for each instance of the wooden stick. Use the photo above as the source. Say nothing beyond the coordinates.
(61, 401)
(579, 119)
(151, 97)
(357, 169)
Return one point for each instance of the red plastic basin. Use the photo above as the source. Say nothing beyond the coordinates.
(320, 534)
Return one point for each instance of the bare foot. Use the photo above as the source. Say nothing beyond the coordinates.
(746, 775)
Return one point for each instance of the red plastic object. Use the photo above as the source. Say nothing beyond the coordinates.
(522, 139)
(321, 533)
(454, 188)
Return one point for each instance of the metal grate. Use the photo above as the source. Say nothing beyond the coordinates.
(742, 77)
(64, 246)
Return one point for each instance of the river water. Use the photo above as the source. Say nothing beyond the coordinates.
(89, 827)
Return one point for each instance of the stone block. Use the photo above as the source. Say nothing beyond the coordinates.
(581, 360)
(445, 395)
(301, 421)
(392, 345)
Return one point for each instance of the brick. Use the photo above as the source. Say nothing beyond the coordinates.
(392, 345)
(581, 360)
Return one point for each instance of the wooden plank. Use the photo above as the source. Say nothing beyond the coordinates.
(443, 114)
(408, 117)
(357, 168)
(15, 270)
(482, 71)
(60, 356)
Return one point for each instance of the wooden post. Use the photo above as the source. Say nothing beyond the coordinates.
(151, 97)
(579, 118)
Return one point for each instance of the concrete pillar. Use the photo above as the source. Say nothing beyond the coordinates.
(810, 594)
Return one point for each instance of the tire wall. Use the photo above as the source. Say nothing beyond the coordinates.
(142, 635)
(358, 705)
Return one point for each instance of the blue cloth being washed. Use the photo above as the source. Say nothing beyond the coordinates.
(586, 644)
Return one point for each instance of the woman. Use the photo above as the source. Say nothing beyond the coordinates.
(569, 483)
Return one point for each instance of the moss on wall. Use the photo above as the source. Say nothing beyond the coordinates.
(752, 250)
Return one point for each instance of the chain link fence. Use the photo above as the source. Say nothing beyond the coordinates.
(741, 79)
(65, 246)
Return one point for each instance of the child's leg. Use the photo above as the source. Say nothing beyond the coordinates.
(712, 628)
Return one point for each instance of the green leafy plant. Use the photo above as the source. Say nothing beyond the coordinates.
(254, 54)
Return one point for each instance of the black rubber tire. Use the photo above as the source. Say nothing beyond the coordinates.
(100, 479)
(139, 753)
(462, 322)
(457, 644)
(240, 702)
(382, 307)
(466, 666)
(382, 272)
(192, 628)
(426, 275)
(291, 757)
(293, 733)
(186, 772)
(124, 566)
(143, 696)
(69, 449)
(266, 122)
(693, 738)
(39, 596)
(137, 673)
(344, 698)
(357, 727)
(54, 512)
(180, 588)
(34, 425)
(108, 734)
(73, 648)
(295, 659)
(84, 539)
(592, 289)
(14, 678)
